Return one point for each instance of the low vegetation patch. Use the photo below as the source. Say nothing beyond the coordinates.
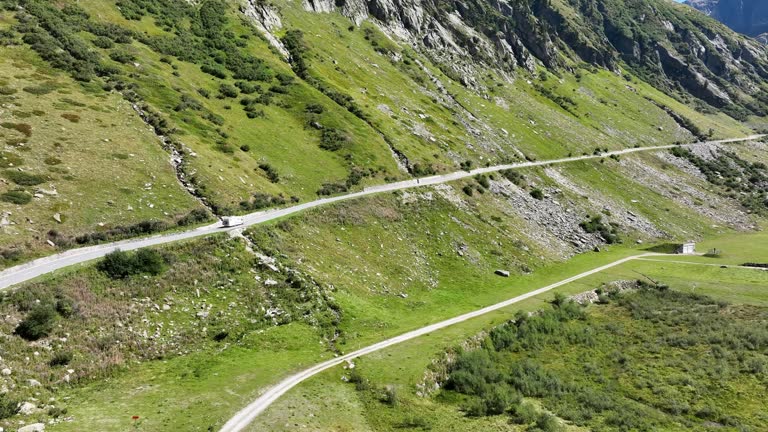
(194, 217)
(38, 323)
(10, 160)
(74, 118)
(261, 200)
(16, 197)
(737, 178)
(22, 128)
(607, 231)
(22, 178)
(120, 265)
(649, 359)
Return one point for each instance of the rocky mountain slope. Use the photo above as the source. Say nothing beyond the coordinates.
(658, 40)
(749, 17)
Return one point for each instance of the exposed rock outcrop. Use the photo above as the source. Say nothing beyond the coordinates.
(662, 42)
(745, 16)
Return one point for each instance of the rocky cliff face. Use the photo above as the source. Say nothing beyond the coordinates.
(664, 43)
(745, 16)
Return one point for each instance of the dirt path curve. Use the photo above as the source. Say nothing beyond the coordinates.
(24, 272)
(244, 417)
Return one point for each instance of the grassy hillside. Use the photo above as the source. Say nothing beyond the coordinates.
(74, 159)
(129, 117)
(248, 129)
(412, 367)
(345, 276)
(646, 360)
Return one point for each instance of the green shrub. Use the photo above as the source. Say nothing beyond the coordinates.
(536, 193)
(524, 413)
(42, 89)
(52, 160)
(103, 42)
(262, 200)
(22, 128)
(195, 216)
(61, 358)
(483, 181)
(415, 422)
(329, 188)
(270, 171)
(16, 197)
(227, 91)
(22, 178)
(595, 225)
(361, 383)
(294, 43)
(74, 118)
(247, 88)
(332, 140)
(8, 406)
(119, 232)
(56, 412)
(38, 323)
(121, 56)
(391, 396)
(547, 423)
(121, 265)
(514, 176)
(314, 108)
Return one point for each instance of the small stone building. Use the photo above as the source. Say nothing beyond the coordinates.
(687, 248)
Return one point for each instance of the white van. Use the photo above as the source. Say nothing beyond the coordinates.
(231, 221)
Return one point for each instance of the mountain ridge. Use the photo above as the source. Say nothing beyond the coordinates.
(749, 17)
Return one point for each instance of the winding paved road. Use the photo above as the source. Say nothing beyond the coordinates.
(41, 266)
(243, 418)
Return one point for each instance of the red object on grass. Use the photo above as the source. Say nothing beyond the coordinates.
(134, 418)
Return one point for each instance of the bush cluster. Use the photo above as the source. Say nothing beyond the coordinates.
(261, 200)
(38, 323)
(121, 265)
(8, 406)
(588, 369)
(16, 197)
(270, 172)
(332, 139)
(331, 188)
(595, 224)
(738, 178)
(195, 216)
(123, 231)
(22, 178)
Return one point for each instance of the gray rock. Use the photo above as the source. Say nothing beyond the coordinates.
(27, 408)
(34, 427)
